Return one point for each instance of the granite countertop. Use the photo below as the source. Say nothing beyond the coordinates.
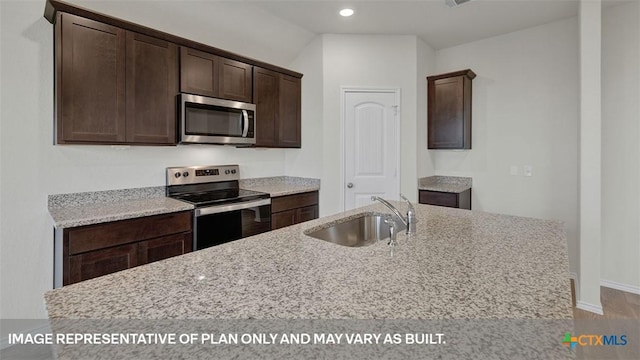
(87, 208)
(79, 209)
(448, 184)
(281, 185)
(460, 265)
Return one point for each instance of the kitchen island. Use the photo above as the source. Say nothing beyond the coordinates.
(461, 265)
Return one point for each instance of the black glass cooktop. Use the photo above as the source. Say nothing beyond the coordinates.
(219, 197)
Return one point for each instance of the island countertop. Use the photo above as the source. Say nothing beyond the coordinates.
(460, 265)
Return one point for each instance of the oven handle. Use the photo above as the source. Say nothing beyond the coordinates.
(232, 207)
(245, 130)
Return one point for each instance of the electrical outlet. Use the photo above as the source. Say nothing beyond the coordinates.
(514, 170)
(527, 170)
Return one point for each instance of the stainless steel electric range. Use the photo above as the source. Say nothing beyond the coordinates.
(223, 212)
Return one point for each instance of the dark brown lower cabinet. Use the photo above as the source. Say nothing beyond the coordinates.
(293, 209)
(164, 247)
(456, 200)
(102, 262)
(95, 250)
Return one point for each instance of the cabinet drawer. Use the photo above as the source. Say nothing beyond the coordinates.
(93, 237)
(289, 202)
(439, 198)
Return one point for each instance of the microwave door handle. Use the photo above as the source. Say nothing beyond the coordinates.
(245, 121)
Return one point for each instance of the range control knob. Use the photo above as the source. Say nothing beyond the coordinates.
(185, 174)
(233, 171)
(177, 175)
(226, 172)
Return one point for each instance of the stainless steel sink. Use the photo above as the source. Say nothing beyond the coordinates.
(363, 230)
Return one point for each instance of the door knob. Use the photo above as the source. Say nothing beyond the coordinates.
(350, 185)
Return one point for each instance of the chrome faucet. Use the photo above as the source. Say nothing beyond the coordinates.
(392, 229)
(411, 216)
(409, 222)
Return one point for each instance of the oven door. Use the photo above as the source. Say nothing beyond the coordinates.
(219, 224)
(206, 120)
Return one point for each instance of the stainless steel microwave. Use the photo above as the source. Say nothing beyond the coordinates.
(205, 120)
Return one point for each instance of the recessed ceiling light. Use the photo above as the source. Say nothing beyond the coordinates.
(346, 12)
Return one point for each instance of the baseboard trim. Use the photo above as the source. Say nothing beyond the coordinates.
(597, 309)
(620, 286)
(42, 329)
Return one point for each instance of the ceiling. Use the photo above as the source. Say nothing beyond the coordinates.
(432, 20)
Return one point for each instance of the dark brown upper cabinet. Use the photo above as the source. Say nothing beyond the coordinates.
(265, 96)
(90, 87)
(449, 110)
(207, 74)
(152, 86)
(278, 109)
(113, 86)
(198, 72)
(289, 121)
(236, 80)
(116, 82)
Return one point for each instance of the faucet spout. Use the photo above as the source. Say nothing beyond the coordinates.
(411, 216)
(392, 208)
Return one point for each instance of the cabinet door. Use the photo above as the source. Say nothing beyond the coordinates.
(265, 96)
(283, 219)
(101, 262)
(198, 72)
(307, 213)
(164, 247)
(235, 81)
(152, 71)
(91, 81)
(446, 116)
(289, 120)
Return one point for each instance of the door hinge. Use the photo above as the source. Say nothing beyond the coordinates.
(395, 109)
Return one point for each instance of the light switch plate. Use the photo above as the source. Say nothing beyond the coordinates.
(514, 170)
(527, 170)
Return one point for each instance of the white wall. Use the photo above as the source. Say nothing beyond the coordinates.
(33, 168)
(525, 112)
(620, 145)
(426, 64)
(307, 162)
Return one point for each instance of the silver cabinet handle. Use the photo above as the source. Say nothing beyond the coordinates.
(350, 185)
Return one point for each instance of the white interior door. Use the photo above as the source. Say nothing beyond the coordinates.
(371, 146)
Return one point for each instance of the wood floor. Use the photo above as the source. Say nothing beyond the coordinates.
(621, 316)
